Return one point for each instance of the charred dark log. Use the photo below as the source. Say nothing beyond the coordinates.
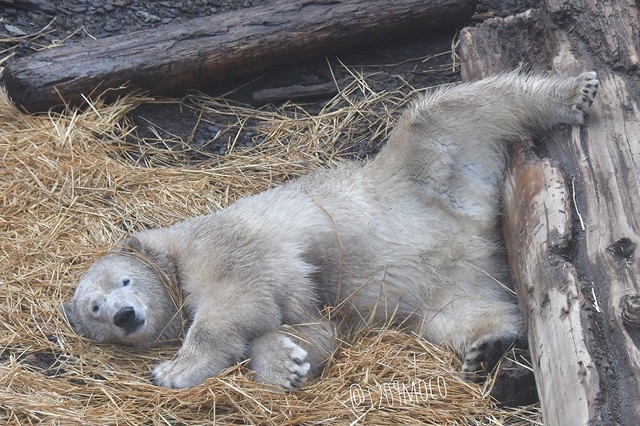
(172, 58)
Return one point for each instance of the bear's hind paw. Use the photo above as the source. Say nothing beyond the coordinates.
(485, 353)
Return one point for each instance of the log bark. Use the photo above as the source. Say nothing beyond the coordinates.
(175, 57)
(571, 224)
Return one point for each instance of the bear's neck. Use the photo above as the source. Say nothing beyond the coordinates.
(158, 250)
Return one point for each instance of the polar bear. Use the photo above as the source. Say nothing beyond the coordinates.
(407, 238)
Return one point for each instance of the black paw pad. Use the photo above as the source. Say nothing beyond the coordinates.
(485, 353)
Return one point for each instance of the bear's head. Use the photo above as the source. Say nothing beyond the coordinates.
(124, 297)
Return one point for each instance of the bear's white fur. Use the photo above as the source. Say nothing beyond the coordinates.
(407, 238)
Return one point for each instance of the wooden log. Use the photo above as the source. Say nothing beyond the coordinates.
(175, 57)
(571, 236)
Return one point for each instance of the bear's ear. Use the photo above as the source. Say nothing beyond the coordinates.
(132, 243)
(69, 310)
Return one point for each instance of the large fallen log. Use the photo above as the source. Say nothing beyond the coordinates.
(42, 5)
(175, 57)
(571, 224)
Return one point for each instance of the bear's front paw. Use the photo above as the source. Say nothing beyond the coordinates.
(160, 376)
(182, 372)
(277, 360)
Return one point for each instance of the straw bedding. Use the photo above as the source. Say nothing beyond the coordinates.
(73, 184)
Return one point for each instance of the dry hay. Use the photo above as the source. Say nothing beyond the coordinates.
(73, 184)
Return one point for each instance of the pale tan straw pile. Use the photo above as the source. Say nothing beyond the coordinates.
(74, 184)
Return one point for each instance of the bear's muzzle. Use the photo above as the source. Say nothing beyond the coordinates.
(127, 319)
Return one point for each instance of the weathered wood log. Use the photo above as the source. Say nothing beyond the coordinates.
(175, 57)
(571, 224)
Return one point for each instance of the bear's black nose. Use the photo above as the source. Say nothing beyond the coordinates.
(125, 317)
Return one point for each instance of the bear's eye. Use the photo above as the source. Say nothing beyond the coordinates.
(126, 282)
(96, 308)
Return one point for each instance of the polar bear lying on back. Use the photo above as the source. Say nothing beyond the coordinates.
(408, 237)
